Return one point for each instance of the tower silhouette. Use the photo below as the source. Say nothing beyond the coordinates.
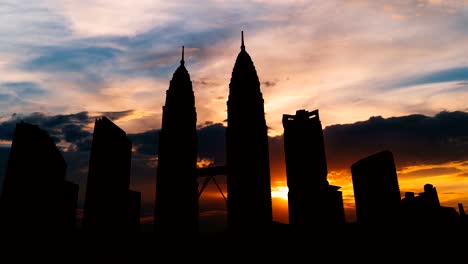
(312, 202)
(376, 190)
(35, 195)
(248, 179)
(108, 201)
(176, 205)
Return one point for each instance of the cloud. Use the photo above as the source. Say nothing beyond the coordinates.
(212, 143)
(29, 23)
(447, 75)
(145, 142)
(413, 139)
(430, 172)
(58, 59)
(109, 18)
(72, 128)
(23, 89)
(118, 114)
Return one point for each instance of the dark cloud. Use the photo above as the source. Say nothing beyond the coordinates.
(212, 143)
(413, 139)
(145, 142)
(70, 128)
(205, 82)
(269, 83)
(75, 134)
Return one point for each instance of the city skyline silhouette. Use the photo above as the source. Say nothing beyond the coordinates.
(313, 203)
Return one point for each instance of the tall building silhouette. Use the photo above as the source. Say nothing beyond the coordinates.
(376, 190)
(176, 205)
(312, 202)
(248, 179)
(35, 195)
(108, 200)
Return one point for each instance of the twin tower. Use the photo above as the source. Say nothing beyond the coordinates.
(249, 205)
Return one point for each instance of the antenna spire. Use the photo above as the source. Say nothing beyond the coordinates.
(242, 40)
(182, 60)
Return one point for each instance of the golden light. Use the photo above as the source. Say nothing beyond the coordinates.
(280, 192)
(203, 163)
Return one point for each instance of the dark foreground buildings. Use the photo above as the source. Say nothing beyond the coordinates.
(109, 204)
(313, 203)
(376, 190)
(35, 195)
(176, 205)
(249, 202)
(425, 209)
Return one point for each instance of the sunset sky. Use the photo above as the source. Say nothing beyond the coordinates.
(383, 74)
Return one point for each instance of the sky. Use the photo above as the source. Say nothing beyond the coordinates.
(383, 74)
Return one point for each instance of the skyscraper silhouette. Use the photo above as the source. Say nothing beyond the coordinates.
(247, 157)
(176, 205)
(376, 190)
(36, 196)
(312, 202)
(108, 200)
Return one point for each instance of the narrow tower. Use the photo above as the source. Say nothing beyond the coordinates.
(248, 179)
(176, 206)
(312, 202)
(109, 203)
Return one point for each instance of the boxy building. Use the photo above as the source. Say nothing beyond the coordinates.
(313, 203)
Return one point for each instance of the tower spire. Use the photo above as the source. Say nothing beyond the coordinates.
(242, 40)
(182, 60)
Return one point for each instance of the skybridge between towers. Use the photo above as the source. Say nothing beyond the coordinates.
(209, 173)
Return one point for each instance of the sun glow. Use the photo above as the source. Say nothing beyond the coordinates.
(203, 163)
(280, 192)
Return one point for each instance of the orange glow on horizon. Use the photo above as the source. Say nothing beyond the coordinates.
(449, 179)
